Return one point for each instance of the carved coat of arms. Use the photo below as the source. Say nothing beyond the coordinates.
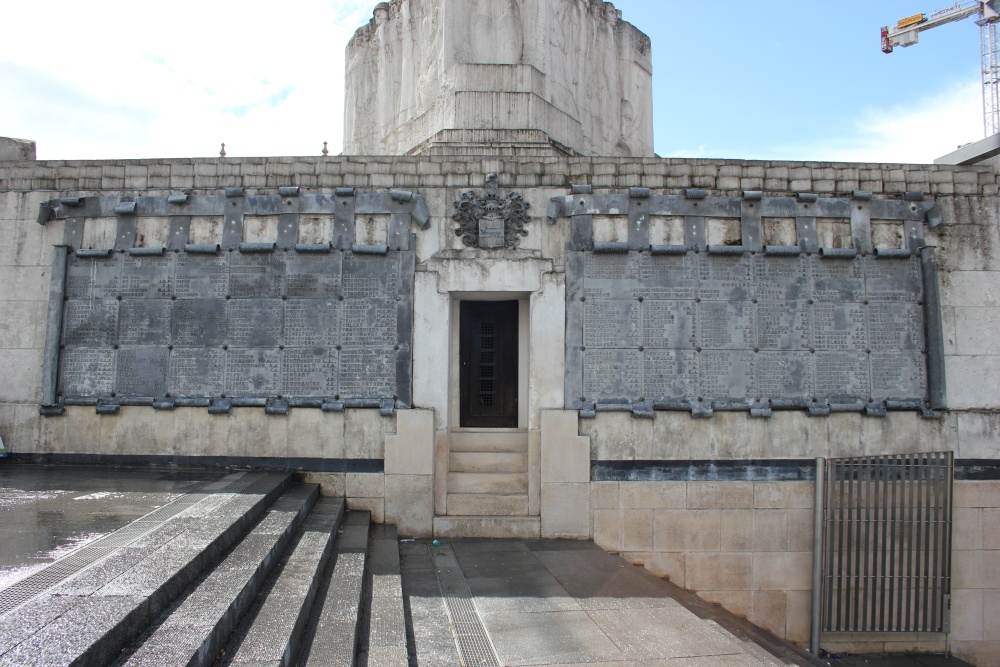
(491, 221)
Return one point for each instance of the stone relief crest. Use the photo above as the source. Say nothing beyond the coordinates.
(491, 221)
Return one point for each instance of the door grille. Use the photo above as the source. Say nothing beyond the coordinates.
(887, 543)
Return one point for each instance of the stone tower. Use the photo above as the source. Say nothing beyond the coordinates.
(504, 77)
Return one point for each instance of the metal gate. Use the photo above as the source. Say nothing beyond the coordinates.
(887, 543)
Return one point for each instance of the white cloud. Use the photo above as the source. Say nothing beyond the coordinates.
(917, 133)
(117, 79)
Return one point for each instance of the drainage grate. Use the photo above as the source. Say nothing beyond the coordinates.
(475, 647)
(51, 575)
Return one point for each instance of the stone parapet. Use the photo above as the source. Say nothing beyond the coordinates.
(670, 175)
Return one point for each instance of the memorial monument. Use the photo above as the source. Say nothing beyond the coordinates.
(499, 314)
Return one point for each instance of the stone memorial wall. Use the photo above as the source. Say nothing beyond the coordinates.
(748, 326)
(273, 324)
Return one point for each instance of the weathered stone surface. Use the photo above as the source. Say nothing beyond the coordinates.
(433, 77)
(16, 150)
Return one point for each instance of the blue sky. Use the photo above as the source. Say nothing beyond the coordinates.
(773, 79)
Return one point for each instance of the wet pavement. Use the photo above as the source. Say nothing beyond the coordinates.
(50, 511)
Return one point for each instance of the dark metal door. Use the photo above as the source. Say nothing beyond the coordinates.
(488, 357)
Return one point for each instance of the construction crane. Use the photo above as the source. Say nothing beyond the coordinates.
(906, 34)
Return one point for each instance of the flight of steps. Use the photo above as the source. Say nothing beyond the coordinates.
(488, 487)
(253, 570)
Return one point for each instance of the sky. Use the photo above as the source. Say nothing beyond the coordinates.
(764, 80)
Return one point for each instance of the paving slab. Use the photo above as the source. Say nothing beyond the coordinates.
(554, 603)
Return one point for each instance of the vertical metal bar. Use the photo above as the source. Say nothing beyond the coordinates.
(878, 555)
(856, 498)
(849, 546)
(935, 556)
(927, 469)
(818, 554)
(910, 502)
(830, 544)
(919, 545)
(895, 560)
(841, 505)
(946, 546)
(864, 548)
(886, 585)
(53, 327)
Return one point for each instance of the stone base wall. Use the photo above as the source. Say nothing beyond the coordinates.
(748, 547)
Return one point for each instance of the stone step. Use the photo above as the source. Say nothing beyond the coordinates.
(488, 441)
(476, 504)
(511, 527)
(274, 636)
(192, 634)
(488, 482)
(333, 639)
(386, 645)
(91, 616)
(488, 462)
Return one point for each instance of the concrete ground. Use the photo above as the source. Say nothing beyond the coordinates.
(49, 511)
(559, 603)
(556, 603)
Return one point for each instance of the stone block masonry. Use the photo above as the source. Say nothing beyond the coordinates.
(741, 543)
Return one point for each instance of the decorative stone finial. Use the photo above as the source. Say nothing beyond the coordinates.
(325, 151)
(222, 153)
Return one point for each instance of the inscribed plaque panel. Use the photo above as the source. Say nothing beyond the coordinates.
(668, 324)
(612, 375)
(86, 372)
(367, 276)
(893, 279)
(90, 323)
(252, 372)
(785, 375)
(668, 276)
(725, 325)
(895, 326)
(610, 276)
(254, 322)
(839, 327)
(201, 276)
(199, 323)
(107, 276)
(781, 278)
(147, 276)
(311, 322)
(842, 375)
(144, 322)
(837, 279)
(727, 375)
(367, 373)
(900, 375)
(669, 374)
(142, 371)
(784, 325)
(611, 323)
(369, 324)
(312, 275)
(79, 277)
(308, 372)
(256, 275)
(197, 372)
(725, 277)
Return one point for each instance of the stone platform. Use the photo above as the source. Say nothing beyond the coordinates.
(253, 568)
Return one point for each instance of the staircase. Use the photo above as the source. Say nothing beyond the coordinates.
(254, 570)
(488, 487)
(247, 571)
